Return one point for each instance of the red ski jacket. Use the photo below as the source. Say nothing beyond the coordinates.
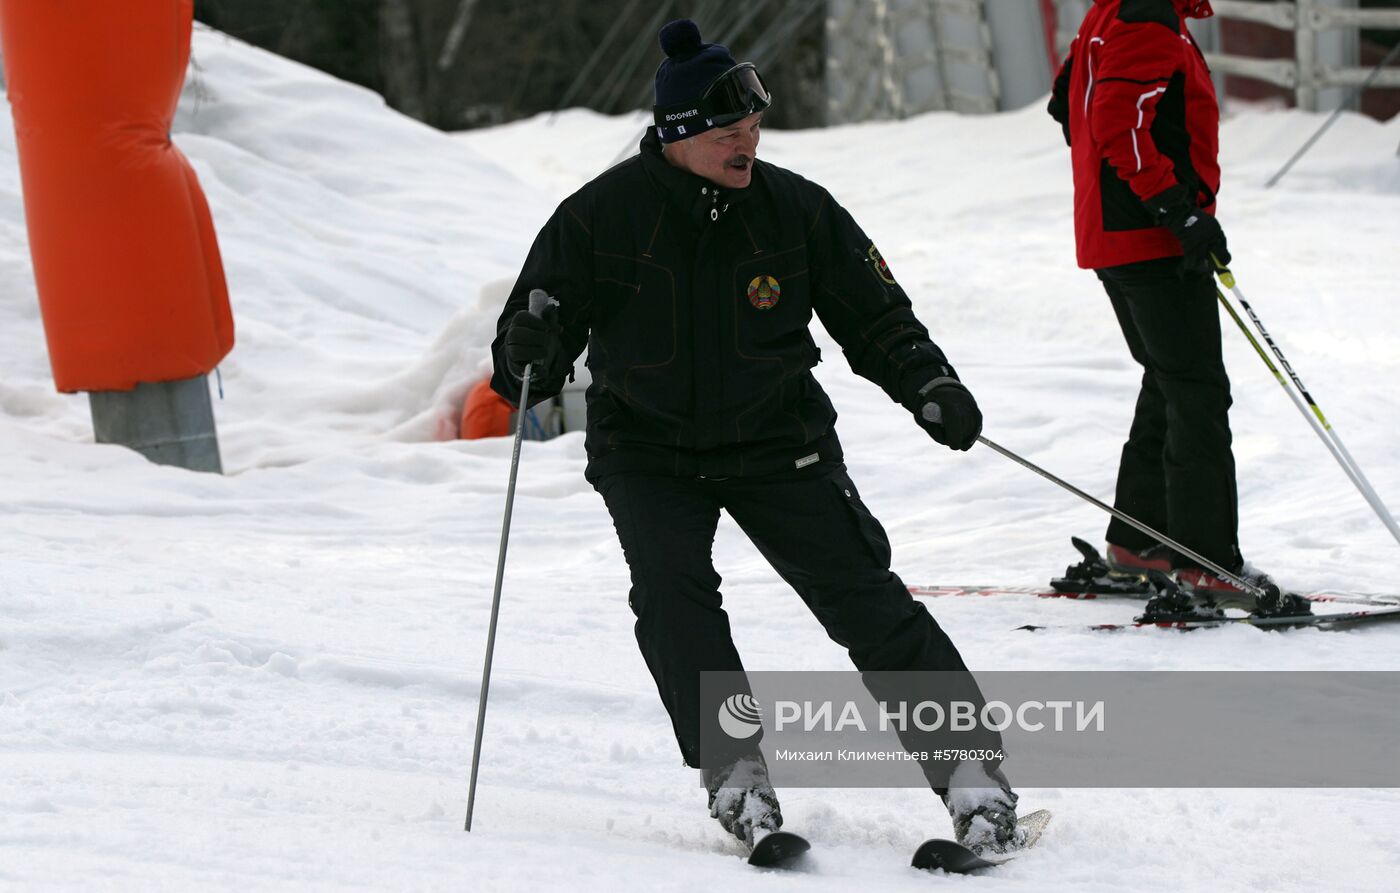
(1135, 99)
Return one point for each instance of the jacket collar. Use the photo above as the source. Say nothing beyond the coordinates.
(1191, 9)
(702, 201)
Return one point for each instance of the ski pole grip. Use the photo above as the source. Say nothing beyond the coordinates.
(1223, 272)
(932, 413)
(539, 299)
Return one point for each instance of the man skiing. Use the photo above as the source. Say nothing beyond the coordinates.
(691, 273)
(1138, 109)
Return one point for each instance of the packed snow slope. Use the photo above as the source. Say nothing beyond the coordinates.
(268, 680)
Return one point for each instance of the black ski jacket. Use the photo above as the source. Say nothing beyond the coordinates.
(694, 304)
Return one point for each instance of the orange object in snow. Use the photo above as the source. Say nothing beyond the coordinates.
(486, 413)
(127, 265)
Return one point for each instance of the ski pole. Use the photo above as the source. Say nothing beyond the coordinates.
(1352, 94)
(538, 301)
(1316, 420)
(933, 414)
(1347, 466)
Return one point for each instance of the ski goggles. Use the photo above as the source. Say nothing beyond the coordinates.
(732, 96)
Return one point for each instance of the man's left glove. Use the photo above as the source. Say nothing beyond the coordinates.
(1059, 100)
(1199, 233)
(532, 339)
(950, 414)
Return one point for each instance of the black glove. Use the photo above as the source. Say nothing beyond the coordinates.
(1059, 100)
(950, 415)
(1199, 233)
(532, 339)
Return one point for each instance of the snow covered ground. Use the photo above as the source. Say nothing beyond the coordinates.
(268, 680)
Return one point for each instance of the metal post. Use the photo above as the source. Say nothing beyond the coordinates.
(1338, 49)
(168, 422)
(1305, 52)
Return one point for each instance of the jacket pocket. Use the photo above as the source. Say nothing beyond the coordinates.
(871, 535)
(635, 315)
(771, 308)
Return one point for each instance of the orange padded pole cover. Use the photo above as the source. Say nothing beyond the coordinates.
(127, 265)
(486, 413)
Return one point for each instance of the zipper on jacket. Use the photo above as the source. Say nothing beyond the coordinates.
(696, 281)
(704, 302)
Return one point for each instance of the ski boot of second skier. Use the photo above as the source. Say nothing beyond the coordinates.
(1093, 574)
(1267, 601)
(1207, 591)
(1183, 594)
(1170, 602)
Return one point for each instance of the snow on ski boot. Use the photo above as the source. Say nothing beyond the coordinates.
(743, 800)
(983, 811)
(1095, 575)
(1171, 602)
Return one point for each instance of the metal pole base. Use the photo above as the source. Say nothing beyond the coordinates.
(168, 422)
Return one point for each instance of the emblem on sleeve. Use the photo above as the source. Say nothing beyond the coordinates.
(878, 264)
(764, 292)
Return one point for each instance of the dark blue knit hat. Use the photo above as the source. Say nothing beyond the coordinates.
(689, 68)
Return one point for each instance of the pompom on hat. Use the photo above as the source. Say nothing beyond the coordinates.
(687, 74)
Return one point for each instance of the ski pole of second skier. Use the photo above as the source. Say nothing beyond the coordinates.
(934, 415)
(1315, 419)
(538, 301)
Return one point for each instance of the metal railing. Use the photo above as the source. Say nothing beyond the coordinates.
(1307, 19)
(1304, 74)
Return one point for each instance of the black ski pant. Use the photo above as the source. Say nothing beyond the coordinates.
(1177, 472)
(812, 527)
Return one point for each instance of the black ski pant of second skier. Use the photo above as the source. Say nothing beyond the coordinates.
(1177, 472)
(812, 527)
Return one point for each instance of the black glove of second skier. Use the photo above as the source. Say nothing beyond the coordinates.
(1199, 233)
(950, 415)
(1059, 100)
(532, 340)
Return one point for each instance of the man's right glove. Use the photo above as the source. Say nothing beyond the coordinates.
(1199, 233)
(532, 339)
(950, 414)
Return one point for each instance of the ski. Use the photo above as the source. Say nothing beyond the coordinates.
(778, 849)
(1093, 578)
(953, 857)
(1340, 621)
(1142, 594)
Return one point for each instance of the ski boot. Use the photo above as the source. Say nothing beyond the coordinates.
(983, 810)
(1271, 601)
(743, 800)
(1124, 561)
(1095, 575)
(1171, 602)
(1277, 603)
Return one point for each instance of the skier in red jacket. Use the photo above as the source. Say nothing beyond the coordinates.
(1139, 112)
